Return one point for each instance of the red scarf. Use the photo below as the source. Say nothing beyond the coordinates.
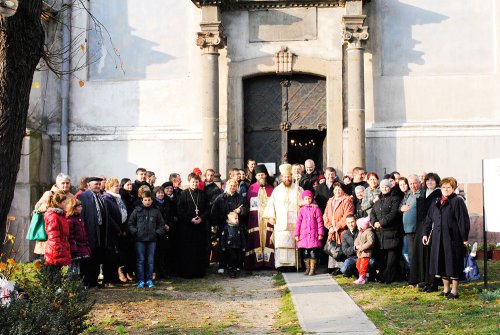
(443, 199)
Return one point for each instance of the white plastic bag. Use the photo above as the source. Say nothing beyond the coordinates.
(6, 290)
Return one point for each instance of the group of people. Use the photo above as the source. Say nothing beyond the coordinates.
(397, 228)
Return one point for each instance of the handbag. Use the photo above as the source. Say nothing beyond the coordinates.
(334, 250)
(36, 230)
(471, 270)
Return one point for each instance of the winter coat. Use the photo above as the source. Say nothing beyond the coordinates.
(365, 243)
(323, 194)
(335, 215)
(307, 180)
(89, 216)
(386, 212)
(450, 225)
(309, 226)
(57, 251)
(146, 224)
(167, 209)
(78, 240)
(226, 203)
(115, 225)
(348, 242)
(368, 199)
(233, 237)
(42, 204)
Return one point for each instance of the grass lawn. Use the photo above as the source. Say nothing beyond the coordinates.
(398, 309)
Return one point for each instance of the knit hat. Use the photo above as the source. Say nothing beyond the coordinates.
(363, 223)
(385, 182)
(307, 193)
(197, 171)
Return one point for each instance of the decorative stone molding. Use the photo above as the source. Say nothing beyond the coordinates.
(283, 60)
(210, 41)
(266, 4)
(354, 33)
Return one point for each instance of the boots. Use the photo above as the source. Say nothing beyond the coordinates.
(361, 280)
(307, 262)
(312, 271)
(121, 275)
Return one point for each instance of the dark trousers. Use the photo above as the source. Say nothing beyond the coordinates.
(233, 258)
(145, 252)
(90, 269)
(388, 263)
(313, 253)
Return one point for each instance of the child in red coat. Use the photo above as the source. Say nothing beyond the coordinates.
(57, 252)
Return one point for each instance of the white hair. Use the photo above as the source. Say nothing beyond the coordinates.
(310, 161)
(62, 177)
(414, 176)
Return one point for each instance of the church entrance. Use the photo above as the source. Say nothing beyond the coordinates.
(285, 118)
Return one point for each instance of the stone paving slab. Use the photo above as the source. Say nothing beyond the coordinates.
(324, 308)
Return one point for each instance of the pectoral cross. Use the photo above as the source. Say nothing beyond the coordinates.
(196, 211)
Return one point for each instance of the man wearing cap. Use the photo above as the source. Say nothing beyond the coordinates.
(281, 211)
(260, 251)
(95, 216)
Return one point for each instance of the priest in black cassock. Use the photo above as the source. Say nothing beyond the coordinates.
(192, 210)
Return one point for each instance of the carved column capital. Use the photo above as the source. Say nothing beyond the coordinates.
(354, 33)
(210, 39)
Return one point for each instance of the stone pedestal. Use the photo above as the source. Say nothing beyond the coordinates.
(32, 178)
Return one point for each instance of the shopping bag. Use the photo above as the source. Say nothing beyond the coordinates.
(471, 271)
(36, 230)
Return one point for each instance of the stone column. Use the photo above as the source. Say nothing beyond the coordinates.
(354, 35)
(210, 40)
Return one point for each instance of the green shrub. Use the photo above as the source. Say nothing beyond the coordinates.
(50, 307)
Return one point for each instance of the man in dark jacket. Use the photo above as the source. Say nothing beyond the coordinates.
(140, 180)
(310, 176)
(348, 269)
(325, 190)
(95, 216)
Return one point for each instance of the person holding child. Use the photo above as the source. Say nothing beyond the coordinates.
(145, 225)
(309, 232)
(364, 245)
(233, 244)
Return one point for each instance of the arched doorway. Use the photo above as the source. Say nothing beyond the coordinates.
(265, 98)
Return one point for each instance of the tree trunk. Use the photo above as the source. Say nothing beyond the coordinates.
(21, 47)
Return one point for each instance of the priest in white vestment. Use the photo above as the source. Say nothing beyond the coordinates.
(281, 211)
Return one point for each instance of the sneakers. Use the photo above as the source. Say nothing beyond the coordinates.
(361, 280)
(140, 285)
(149, 283)
(220, 271)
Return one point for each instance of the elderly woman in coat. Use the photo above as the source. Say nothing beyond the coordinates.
(337, 209)
(388, 225)
(447, 230)
(62, 186)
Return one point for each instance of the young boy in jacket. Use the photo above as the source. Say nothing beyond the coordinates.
(233, 244)
(145, 225)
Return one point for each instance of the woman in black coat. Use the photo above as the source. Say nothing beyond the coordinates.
(447, 230)
(388, 225)
(419, 268)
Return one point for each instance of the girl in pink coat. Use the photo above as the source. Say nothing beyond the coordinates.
(309, 232)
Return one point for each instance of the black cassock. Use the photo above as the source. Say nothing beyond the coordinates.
(192, 237)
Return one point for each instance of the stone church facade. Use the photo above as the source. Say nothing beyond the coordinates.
(405, 85)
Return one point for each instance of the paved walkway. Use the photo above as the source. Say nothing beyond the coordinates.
(324, 308)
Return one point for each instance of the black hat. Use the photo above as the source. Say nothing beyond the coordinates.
(89, 179)
(261, 168)
(167, 184)
(346, 188)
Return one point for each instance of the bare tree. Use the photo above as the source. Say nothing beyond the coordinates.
(21, 47)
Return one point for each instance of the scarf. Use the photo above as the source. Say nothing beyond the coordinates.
(121, 205)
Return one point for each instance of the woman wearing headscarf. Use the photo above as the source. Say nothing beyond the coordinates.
(337, 209)
(386, 220)
(447, 231)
